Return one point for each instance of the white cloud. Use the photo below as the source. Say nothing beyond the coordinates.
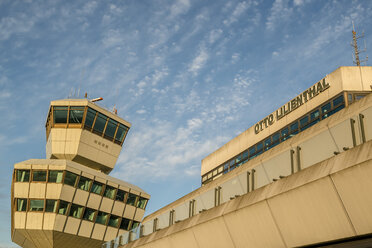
(179, 7)
(214, 35)
(280, 11)
(238, 11)
(141, 111)
(235, 57)
(198, 62)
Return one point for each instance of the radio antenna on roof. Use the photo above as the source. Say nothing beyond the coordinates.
(354, 44)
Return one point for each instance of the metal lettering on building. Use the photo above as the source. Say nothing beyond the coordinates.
(296, 102)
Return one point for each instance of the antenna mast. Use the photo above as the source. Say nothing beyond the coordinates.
(354, 44)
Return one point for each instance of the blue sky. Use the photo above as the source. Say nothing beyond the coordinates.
(188, 74)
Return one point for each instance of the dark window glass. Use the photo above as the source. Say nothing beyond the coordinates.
(238, 159)
(96, 188)
(76, 211)
(121, 133)
(142, 203)
(350, 98)
(132, 199)
(285, 133)
(358, 97)
(55, 176)
(60, 114)
(226, 167)
(252, 151)
(294, 128)
(109, 192)
(114, 221)
(232, 162)
(125, 223)
(101, 218)
(111, 128)
(314, 115)
(135, 224)
(259, 147)
(120, 195)
(22, 175)
(304, 121)
(36, 205)
(276, 139)
(76, 115)
(21, 204)
(84, 183)
(89, 119)
(325, 109)
(39, 176)
(51, 206)
(339, 100)
(267, 143)
(100, 123)
(89, 214)
(62, 209)
(245, 155)
(336, 109)
(70, 178)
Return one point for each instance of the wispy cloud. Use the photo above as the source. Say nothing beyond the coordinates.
(199, 61)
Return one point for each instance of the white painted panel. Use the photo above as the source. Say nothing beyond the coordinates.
(367, 123)
(279, 165)
(230, 189)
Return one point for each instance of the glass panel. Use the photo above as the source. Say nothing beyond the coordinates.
(121, 133)
(55, 176)
(21, 204)
(111, 128)
(70, 178)
(22, 175)
(135, 224)
(39, 176)
(89, 119)
(252, 151)
(232, 162)
(100, 123)
(51, 206)
(245, 155)
(267, 143)
(89, 214)
(62, 207)
(358, 97)
(326, 108)
(314, 115)
(304, 121)
(101, 218)
(238, 159)
(120, 195)
(114, 221)
(76, 115)
(339, 100)
(84, 183)
(259, 147)
(294, 127)
(96, 188)
(76, 211)
(350, 98)
(285, 133)
(142, 203)
(59, 114)
(124, 224)
(109, 192)
(131, 199)
(36, 205)
(226, 167)
(276, 139)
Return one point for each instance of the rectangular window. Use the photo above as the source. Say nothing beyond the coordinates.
(21, 204)
(314, 115)
(125, 223)
(89, 214)
(120, 134)
(62, 209)
(276, 139)
(36, 205)
(294, 128)
(132, 199)
(111, 128)
(89, 119)
(84, 183)
(109, 192)
(325, 109)
(39, 176)
(60, 114)
(101, 218)
(226, 167)
(22, 175)
(259, 148)
(245, 155)
(51, 206)
(76, 211)
(358, 97)
(100, 123)
(76, 115)
(55, 176)
(120, 195)
(96, 188)
(70, 178)
(252, 152)
(285, 133)
(338, 100)
(114, 221)
(142, 203)
(267, 143)
(135, 224)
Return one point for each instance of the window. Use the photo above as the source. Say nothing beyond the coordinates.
(276, 139)
(22, 175)
(111, 129)
(120, 133)
(120, 195)
(62, 209)
(285, 133)
(358, 97)
(84, 183)
(252, 152)
(325, 109)
(70, 178)
(96, 188)
(39, 176)
(60, 114)
(36, 205)
(89, 214)
(135, 224)
(101, 218)
(76, 211)
(132, 199)
(114, 221)
(125, 223)
(55, 176)
(109, 192)
(21, 204)
(338, 100)
(226, 167)
(51, 206)
(304, 122)
(314, 115)
(76, 115)
(267, 143)
(259, 147)
(142, 203)
(245, 155)
(100, 123)
(89, 119)
(350, 98)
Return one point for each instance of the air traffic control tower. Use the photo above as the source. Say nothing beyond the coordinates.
(68, 199)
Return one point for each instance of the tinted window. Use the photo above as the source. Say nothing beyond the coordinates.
(21, 204)
(114, 221)
(62, 209)
(101, 218)
(96, 188)
(89, 119)
(111, 128)
(51, 206)
(70, 178)
(76, 211)
(22, 175)
(55, 176)
(267, 142)
(294, 127)
(124, 224)
(339, 100)
(84, 183)
(120, 133)
(252, 150)
(304, 121)
(89, 214)
(131, 199)
(76, 114)
(100, 123)
(141, 203)
(39, 176)
(60, 114)
(245, 155)
(314, 115)
(259, 147)
(326, 108)
(109, 192)
(358, 97)
(120, 195)
(285, 133)
(36, 205)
